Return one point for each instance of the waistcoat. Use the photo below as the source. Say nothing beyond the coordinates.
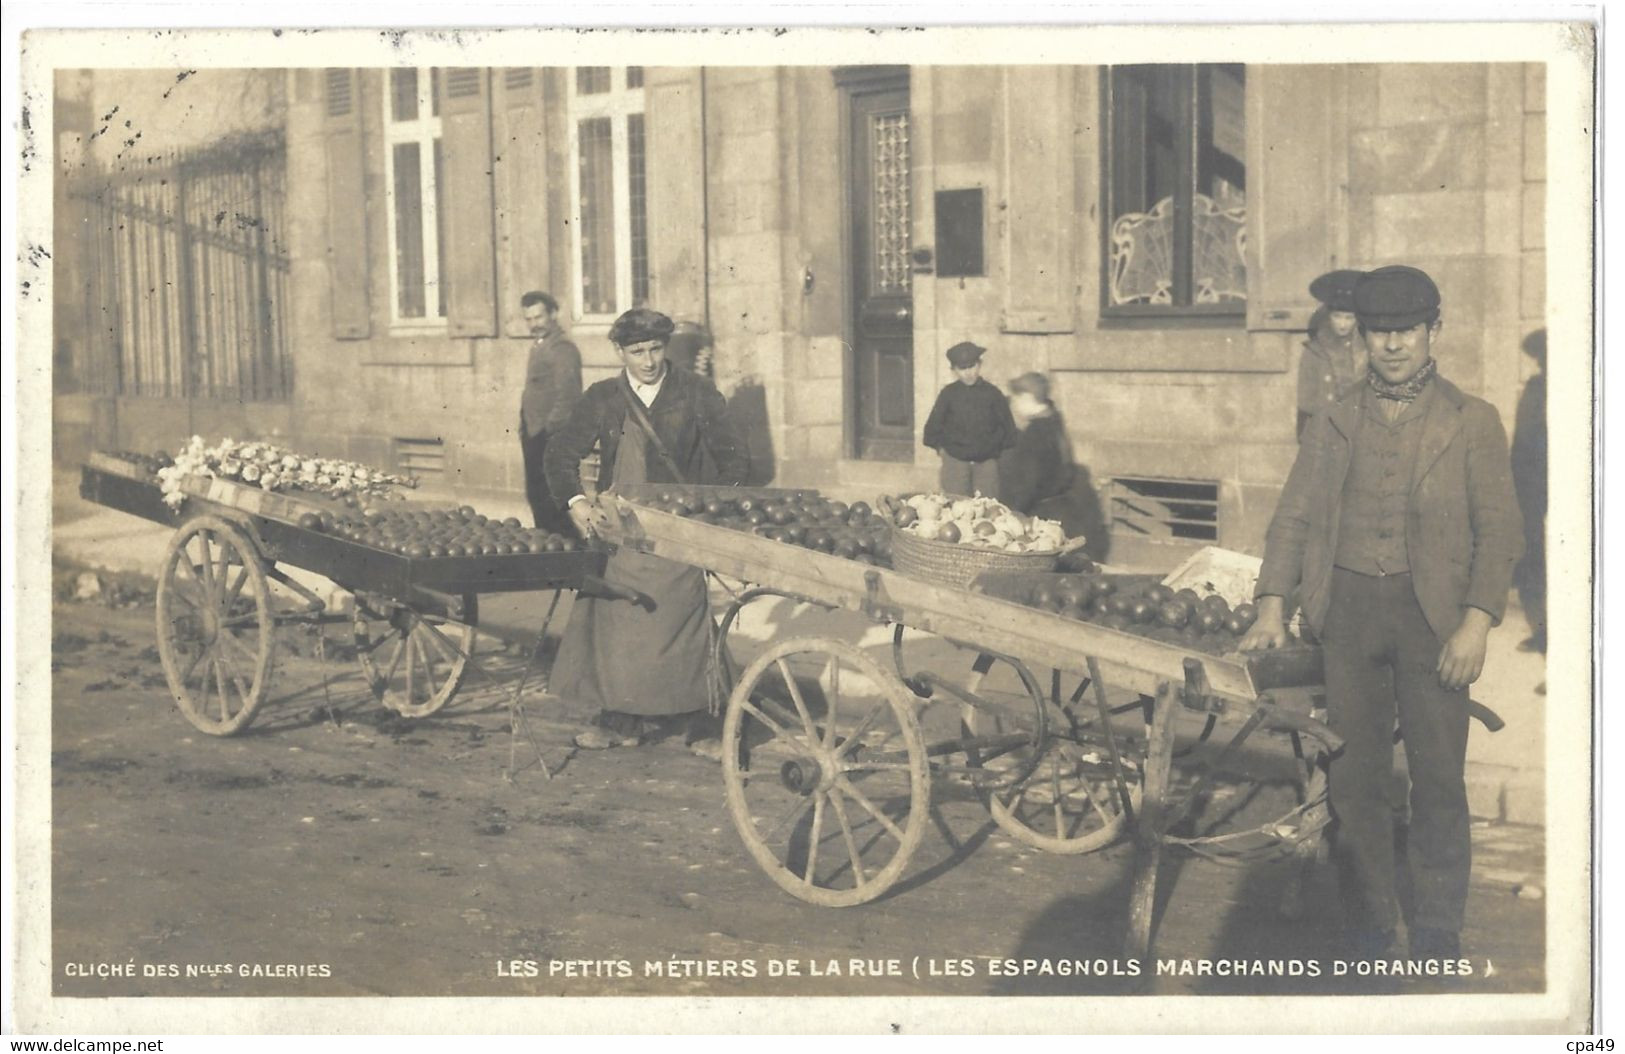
(1371, 533)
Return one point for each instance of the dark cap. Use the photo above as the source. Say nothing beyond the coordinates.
(1033, 384)
(638, 325)
(1335, 289)
(1397, 297)
(965, 354)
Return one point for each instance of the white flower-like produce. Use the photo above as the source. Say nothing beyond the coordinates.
(1010, 524)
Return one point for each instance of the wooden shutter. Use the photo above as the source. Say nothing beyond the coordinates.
(675, 148)
(467, 198)
(346, 205)
(1297, 189)
(520, 165)
(1040, 287)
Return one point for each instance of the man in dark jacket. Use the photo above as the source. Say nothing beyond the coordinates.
(552, 385)
(1397, 532)
(970, 426)
(642, 663)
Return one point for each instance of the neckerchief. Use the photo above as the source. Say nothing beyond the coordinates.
(1405, 390)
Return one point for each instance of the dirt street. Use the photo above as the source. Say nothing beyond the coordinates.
(336, 849)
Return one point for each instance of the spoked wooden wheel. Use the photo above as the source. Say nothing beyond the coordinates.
(826, 772)
(414, 662)
(1062, 796)
(216, 632)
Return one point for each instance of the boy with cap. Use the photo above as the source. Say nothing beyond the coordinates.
(1333, 359)
(970, 426)
(1397, 532)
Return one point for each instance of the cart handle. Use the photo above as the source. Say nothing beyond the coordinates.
(1281, 719)
(1486, 717)
(596, 586)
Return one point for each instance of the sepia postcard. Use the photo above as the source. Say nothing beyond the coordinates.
(755, 530)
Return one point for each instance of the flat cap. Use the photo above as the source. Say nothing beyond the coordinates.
(1397, 297)
(639, 325)
(965, 353)
(1335, 289)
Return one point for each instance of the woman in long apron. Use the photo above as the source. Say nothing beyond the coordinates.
(643, 663)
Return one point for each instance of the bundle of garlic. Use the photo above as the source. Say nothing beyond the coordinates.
(271, 467)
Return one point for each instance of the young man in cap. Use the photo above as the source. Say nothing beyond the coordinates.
(1397, 532)
(970, 426)
(642, 663)
(552, 385)
(1334, 358)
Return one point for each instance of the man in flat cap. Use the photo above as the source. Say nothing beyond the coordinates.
(643, 664)
(1334, 358)
(1397, 532)
(552, 385)
(970, 426)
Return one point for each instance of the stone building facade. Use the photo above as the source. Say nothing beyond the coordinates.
(1144, 235)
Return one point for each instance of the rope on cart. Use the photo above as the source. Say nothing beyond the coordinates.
(1282, 837)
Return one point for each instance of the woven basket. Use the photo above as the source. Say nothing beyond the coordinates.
(958, 565)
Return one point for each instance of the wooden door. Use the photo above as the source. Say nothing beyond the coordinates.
(882, 306)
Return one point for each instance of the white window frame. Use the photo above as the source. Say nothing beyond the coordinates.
(618, 104)
(425, 131)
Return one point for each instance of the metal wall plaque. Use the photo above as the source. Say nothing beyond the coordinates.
(959, 233)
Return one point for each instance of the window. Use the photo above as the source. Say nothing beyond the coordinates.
(1174, 240)
(608, 186)
(412, 182)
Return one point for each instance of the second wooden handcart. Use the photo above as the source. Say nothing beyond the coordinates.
(414, 617)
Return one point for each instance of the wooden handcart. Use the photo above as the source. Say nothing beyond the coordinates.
(413, 622)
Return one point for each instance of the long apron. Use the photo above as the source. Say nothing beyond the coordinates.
(626, 657)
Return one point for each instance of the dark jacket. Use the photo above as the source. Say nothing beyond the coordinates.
(970, 422)
(552, 384)
(1326, 370)
(1038, 467)
(689, 415)
(1463, 533)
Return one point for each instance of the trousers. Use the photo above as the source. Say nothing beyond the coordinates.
(1380, 658)
(970, 477)
(543, 508)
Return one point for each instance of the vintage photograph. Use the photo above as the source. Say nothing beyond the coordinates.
(759, 515)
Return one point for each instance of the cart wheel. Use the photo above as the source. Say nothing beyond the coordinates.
(826, 773)
(216, 632)
(1063, 796)
(413, 662)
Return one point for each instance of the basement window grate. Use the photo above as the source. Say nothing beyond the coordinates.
(1164, 509)
(422, 458)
